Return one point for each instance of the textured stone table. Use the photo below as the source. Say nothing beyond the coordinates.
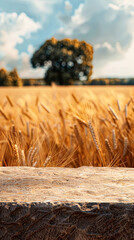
(63, 203)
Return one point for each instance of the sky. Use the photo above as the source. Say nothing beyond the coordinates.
(106, 24)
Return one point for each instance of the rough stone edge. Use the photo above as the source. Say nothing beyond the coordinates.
(62, 221)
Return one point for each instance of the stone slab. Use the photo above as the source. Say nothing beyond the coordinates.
(84, 184)
(66, 204)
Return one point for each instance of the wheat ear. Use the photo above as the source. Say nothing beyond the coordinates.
(125, 146)
(22, 156)
(113, 112)
(126, 111)
(20, 139)
(45, 108)
(3, 114)
(16, 154)
(75, 98)
(109, 147)
(77, 134)
(29, 154)
(21, 119)
(114, 139)
(33, 154)
(93, 135)
(28, 129)
(36, 101)
(10, 101)
(118, 104)
(48, 159)
(26, 114)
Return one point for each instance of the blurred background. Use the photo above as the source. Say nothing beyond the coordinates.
(107, 25)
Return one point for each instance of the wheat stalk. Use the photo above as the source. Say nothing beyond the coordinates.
(125, 146)
(29, 155)
(16, 154)
(33, 154)
(21, 119)
(93, 135)
(86, 132)
(26, 114)
(4, 104)
(26, 106)
(118, 103)
(114, 139)
(28, 129)
(80, 120)
(113, 112)
(75, 98)
(20, 139)
(126, 111)
(22, 157)
(48, 159)
(45, 108)
(10, 101)
(109, 148)
(3, 114)
(34, 164)
(41, 127)
(78, 137)
(37, 101)
(32, 133)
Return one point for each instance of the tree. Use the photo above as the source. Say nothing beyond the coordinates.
(3, 77)
(14, 78)
(64, 60)
(10, 78)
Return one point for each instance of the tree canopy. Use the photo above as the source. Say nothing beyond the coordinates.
(65, 60)
(10, 78)
(3, 77)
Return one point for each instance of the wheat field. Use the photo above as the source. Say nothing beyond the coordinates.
(67, 126)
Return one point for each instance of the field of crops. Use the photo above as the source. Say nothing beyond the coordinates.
(67, 126)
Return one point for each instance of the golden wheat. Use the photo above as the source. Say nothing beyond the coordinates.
(67, 126)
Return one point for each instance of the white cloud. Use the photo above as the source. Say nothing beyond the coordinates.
(14, 30)
(44, 6)
(30, 49)
(124, 3)
(114, 7)
(106, 45)
(39, 8)
(68, 6)
(25, 69)
(78, 17)
(108, 26)
(122, 67)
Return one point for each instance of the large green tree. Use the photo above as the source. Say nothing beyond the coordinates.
(64, 60)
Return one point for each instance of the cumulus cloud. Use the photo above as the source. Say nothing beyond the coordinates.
(14, 30)
(68, 6)
(40, 9)
(108, 25)
(25, 69)
(122, 67)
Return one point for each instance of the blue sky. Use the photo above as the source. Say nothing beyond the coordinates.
(107, 24)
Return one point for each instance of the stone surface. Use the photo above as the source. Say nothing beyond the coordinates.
(84, 184)
(66, 204)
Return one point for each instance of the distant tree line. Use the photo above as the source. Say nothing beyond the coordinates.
(111, 81)
(10, 78)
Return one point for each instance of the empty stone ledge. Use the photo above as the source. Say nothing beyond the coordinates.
(66, 204)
